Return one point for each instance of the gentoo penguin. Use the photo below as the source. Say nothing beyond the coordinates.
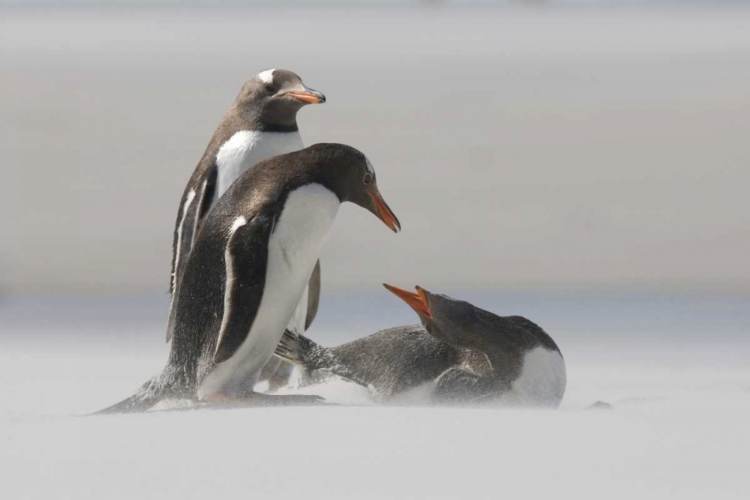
(249, 268)
(261, 123)
(459, 354)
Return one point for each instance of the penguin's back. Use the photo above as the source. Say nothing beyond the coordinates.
(396, 360)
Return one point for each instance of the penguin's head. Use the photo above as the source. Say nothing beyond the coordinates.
(273, 97)
(349, 174)
(453, 321)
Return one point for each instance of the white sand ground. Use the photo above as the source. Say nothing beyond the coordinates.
(676, 370)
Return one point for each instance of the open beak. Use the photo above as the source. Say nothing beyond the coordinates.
(417, 301)
(308, 96)
(385, 213)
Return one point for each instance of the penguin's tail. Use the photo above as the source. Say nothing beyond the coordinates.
(295, 348)
(144, 398)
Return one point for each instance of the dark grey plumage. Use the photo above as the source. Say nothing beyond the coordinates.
(461, 353)
(389, 362)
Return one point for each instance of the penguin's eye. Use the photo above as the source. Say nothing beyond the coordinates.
(367, 179)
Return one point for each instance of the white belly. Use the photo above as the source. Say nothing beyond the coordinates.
(542, 380)
(241, 152)
(246, 148)
(293, 249)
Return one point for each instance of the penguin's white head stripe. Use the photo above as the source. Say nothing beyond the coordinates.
(266, 76)
(238, 223)
(370, 168)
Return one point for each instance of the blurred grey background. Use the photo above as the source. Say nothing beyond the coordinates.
(560, 145)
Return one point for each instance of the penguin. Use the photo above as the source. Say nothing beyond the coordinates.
(248, 269)
(260, 124)
(459, 354)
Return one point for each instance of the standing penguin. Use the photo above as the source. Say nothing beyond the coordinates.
(459, 354)
(249, 268)
(261, 123)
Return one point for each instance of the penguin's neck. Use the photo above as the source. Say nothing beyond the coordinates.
(245, 148)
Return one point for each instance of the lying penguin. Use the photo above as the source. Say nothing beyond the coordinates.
(460, 354)
(249, 269)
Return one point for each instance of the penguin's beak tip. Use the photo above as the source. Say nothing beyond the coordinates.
(385, 213)
(417, 301)
(308, 96)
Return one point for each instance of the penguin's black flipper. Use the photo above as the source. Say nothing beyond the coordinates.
(456, 385)
(193, 208)
(295, 348)
(246, 259)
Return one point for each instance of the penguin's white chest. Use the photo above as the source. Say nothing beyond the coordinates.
(542, 380)
(293, 248)
(246, 148)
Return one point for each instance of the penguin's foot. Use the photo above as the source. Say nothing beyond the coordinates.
(280, 378)
(287, 400)
(254, 399)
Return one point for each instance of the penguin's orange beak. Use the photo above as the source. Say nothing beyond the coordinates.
(384, 212)
(308, 96)
(417, 301)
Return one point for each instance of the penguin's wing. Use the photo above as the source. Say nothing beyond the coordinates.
(246, 259)
(193, 208)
